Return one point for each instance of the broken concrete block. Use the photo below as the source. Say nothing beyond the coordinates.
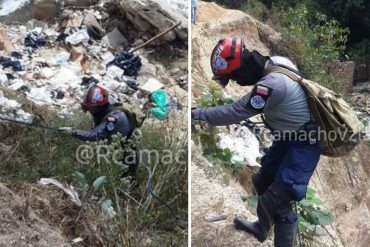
(76, 53)
(152, 85)
(156, 16)
(115, 39)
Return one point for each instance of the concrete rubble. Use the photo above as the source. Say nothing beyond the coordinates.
(82, 43)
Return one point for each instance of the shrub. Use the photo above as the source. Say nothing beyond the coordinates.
(314, 41)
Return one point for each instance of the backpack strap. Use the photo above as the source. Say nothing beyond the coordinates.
(129, 115)
(281, 70)
(295, 77)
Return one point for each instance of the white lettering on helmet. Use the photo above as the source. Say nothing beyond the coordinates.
(97, 96)
(219, 63)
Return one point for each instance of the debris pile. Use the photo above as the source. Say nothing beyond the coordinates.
(52, 63)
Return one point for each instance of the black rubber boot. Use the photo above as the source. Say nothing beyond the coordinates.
(255, 228)
(261, 228)
(285, 234)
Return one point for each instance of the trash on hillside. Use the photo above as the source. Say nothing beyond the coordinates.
(75, 21)
(8, 62)
(78, 37)
(114, 72)
(217, 218)
(242, 144)
(115, 39)
(16, 55)
(34, 40)
(152, 85)
(87, 81)
(77, 53)
(130, 63)
(57, 94)
(160, 100)
(3, 78)
(70, 191)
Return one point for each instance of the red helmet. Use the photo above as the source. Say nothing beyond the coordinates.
(226, 57)
(95, 96)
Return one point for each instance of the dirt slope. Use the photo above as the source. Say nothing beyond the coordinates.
(210, 198)
(21, 226)
(342, 182)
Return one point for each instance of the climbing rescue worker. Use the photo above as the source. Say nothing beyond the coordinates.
(289, 163)
(108, 119)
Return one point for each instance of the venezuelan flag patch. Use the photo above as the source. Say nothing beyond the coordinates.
(262, 90)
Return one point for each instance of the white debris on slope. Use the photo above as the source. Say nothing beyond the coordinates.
(243, 145)
(11, 109)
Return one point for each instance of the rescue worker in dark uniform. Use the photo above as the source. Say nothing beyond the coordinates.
(289, 163)
(108, 119)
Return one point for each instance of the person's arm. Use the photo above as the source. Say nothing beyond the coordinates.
(108, 127)
(226, 114)
(97, 133)
(266, 93)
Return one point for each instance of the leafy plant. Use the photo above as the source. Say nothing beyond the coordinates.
(312, 218)
(214, 97)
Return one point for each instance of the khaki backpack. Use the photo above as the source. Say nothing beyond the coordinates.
(133, 112)
(340, 130)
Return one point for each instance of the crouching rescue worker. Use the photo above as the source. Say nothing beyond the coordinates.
(289, 163)
(109, 118)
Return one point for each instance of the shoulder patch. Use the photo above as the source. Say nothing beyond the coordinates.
(257, 102)
(259, 97)
(110, 126)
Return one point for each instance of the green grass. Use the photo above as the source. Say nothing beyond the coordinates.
(28, 154)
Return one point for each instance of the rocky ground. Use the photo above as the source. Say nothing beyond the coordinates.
(343, 183)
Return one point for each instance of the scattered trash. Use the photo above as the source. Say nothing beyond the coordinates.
(3, 78)
(57, 94)
(114, 72)
(75, 21)
(160, 100)
(70, 191)
(16, 55)
(17, 85)
(77, 53)
(115, 39)
(7, 62)
(130, 63)
(78, 37)
(40, 94)
(34, 40)
(87, 81)
(7, 104)
(10, 76)
(62, 37)
(242, 144)
(217, 218)
(77, 240)
(152, 85)
(95, 32)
